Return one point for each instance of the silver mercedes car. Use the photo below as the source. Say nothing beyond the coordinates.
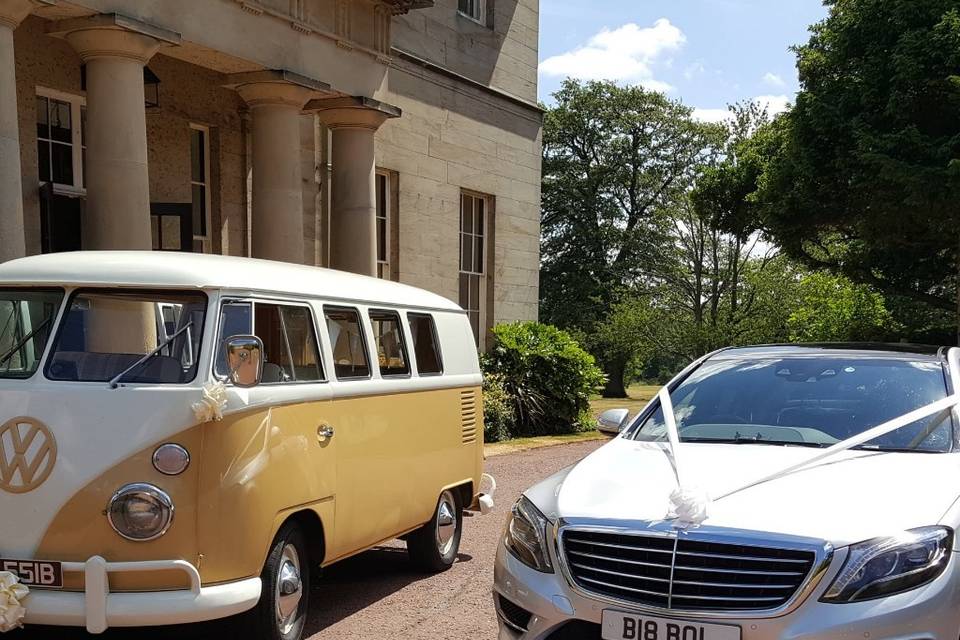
(833, 476)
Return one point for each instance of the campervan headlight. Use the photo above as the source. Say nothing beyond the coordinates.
(140, 512)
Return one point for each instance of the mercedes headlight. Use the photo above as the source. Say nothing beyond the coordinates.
(526, 536)
(886, 566)
(140, 512)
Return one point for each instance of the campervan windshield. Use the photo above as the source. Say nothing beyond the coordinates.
(108, 335)
(26, 322)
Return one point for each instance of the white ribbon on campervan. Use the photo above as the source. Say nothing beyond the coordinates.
(689, 504)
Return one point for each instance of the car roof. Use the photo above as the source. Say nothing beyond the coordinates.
(900, 351)
(160, 269)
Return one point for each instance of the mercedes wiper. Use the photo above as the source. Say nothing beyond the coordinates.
(163, 345)
(884, 449)
(758, 440)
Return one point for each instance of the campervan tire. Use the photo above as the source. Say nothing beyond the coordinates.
(288, 561)
(434, 546)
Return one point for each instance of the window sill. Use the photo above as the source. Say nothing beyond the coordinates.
(476, 21)
(66, 190)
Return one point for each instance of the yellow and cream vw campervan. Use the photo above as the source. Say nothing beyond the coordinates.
(186, 437)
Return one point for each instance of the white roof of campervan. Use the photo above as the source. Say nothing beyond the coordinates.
(152, 269)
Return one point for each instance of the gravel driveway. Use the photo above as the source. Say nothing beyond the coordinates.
(376, 595)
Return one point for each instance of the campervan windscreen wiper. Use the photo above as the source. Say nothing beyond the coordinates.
(24, 340)
(163, 345)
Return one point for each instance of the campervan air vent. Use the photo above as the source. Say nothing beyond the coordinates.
(468, 415)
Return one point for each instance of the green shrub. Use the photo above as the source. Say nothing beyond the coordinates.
(499, 414)
(547, 375)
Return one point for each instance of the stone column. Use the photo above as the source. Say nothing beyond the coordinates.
(115, 50)
(353, 222)
(276, 100)
(12, 12)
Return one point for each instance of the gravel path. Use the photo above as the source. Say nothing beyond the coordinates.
(376, 595)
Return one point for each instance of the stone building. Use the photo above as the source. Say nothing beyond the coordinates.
(398, 138)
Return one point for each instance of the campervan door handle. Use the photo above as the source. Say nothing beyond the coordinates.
(325, 432)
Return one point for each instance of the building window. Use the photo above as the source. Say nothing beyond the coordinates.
(200, 186)
(473, 281)
(61, 144)
(383, 226)
(476, 10)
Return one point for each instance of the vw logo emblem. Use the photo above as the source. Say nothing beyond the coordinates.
(28, 452)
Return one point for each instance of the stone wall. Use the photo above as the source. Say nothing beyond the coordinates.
(501, 54)
(454, 137)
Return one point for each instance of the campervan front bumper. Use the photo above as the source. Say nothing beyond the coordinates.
(97, 609)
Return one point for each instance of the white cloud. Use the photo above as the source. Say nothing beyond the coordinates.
(625, 54)
(774, 105)
(773, 80)
(711, 115)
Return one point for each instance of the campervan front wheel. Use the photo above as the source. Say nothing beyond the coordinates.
(434, 546)
(282, 610)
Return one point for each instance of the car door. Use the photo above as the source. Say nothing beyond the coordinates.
(273, 457)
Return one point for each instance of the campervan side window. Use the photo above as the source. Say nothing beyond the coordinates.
(388, 339)
(290, 349)
(349, 347)
(426, 346)
(289, 344)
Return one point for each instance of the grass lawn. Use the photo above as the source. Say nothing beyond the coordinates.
(638, 394)
(522, 444)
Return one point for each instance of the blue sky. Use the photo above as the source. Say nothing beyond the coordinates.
(708, 53)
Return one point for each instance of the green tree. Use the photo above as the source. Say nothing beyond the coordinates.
(862, 177)
(623, 340)
(833, 309)
(615, 159)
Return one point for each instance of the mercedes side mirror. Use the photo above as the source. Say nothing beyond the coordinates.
(613, 420)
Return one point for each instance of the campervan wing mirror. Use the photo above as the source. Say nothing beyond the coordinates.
(245, 360)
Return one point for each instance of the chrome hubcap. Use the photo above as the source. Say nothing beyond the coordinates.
(446, 523)
(289, 589)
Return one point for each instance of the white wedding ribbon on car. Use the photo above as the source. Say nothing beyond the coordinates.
(689, 503)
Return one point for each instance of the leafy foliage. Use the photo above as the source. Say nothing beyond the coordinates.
(499, 412)
(547, 375)
(615, 158)
(862, 176)
(833, 309)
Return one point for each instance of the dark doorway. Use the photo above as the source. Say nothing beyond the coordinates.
(61, 218)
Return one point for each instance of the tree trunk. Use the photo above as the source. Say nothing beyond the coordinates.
(614, 387)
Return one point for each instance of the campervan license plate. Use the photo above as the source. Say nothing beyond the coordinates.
(35, 574)
(627, 626)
